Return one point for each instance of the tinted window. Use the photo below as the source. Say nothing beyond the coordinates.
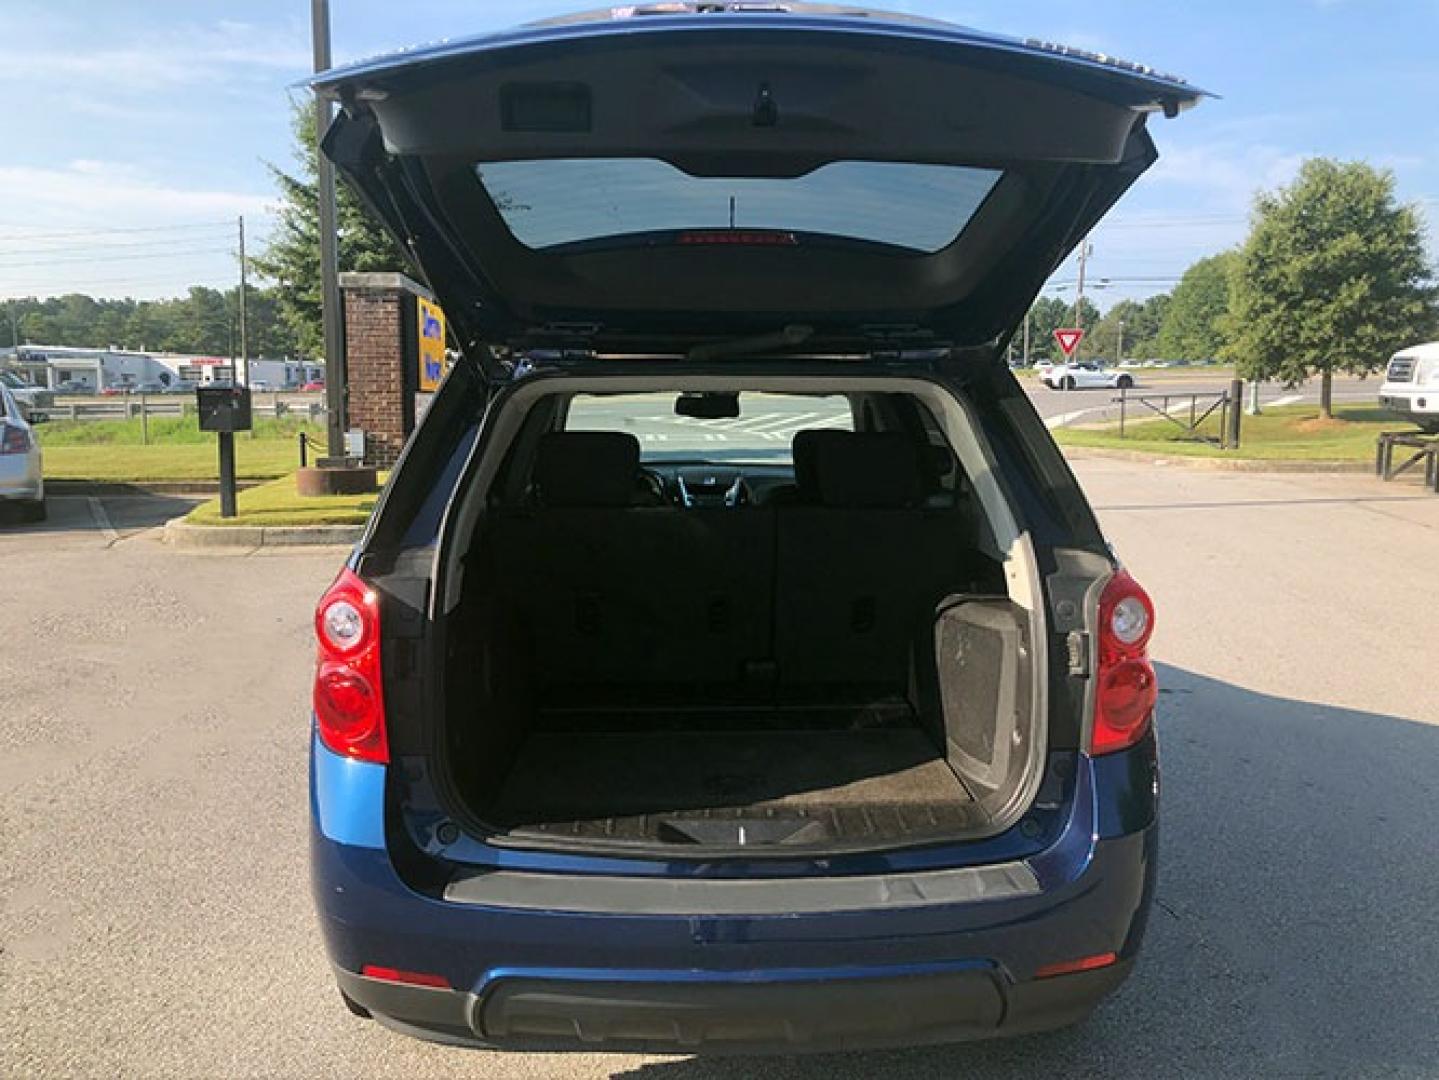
(561, 201)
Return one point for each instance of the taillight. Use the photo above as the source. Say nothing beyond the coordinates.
(13, 440)
(1125, 686)
(349, 700)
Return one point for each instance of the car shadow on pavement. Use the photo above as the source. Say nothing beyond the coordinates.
(1296, 929)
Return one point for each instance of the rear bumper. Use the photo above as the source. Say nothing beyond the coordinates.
(20, 477)
(921, 967)
(1410, 401)
(783, 1016)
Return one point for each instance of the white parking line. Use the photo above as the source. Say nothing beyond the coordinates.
(102, 520)
(1064, 418)
(1287, 399)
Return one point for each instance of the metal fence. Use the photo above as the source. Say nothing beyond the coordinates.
(145, 406)
(1188, 413)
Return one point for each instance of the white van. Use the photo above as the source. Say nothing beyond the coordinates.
(1411, 385)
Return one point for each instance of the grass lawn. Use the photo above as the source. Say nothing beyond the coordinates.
(113, 450)
(277, 503)
(1288, 433)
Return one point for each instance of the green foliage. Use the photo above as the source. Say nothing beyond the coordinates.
(205, 321)
(173, 430)
(292, 256)
(1136, 322)
(1049, 314)
(1193, 327)
(1332, 278)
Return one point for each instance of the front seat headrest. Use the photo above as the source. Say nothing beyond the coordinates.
(869, 469)
(587, 468)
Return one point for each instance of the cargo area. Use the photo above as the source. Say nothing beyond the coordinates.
(834, 664)
(742, 783)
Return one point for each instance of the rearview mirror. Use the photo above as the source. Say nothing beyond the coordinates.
(708, 406)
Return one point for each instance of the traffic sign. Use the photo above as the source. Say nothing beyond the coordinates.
(1069, 339)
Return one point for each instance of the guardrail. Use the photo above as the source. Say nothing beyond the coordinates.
(131, 406)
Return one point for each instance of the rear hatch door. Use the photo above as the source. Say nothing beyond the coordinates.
(808, 181)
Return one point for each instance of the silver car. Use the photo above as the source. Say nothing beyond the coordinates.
(20, 474)
(35, 402)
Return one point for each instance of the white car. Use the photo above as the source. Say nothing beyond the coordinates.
(1411, 385)
(34, 401)
(1085, 375)
(20, 473)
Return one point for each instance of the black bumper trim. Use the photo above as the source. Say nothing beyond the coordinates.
(528, 1013)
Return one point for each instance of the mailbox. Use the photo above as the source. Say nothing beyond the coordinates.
(224, 408)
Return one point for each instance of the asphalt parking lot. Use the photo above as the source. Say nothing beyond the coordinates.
(154, 910)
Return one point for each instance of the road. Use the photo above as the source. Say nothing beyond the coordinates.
(768, 421)
(155, 917)
(1060, 407)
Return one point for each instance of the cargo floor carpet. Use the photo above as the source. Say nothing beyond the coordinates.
(746, 787)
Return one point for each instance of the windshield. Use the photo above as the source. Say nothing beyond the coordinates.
(919, 207)
(761, 433)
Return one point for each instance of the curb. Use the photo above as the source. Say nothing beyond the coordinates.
(179, 533)
(1247, 465)
(142, 487)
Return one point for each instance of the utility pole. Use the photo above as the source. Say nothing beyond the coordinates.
(1085, 250)
(1119, 349)
(329, 252)
(1027, 314)
(244, 335)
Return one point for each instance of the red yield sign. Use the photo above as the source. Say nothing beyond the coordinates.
(1069, 339)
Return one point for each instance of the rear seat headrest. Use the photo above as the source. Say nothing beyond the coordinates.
(869, 469)
(804, 449)
(587, 468)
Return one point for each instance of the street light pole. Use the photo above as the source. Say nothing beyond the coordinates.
(244, 335)
(329, 252)
(1119, 349)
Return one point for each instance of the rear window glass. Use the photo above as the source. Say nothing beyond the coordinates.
(762, 432)
(568, 200)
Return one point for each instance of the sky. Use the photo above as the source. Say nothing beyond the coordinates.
(137, 131)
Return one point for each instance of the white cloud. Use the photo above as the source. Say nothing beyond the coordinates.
(110, 228)
(125, 195)
(1223, 174)
(179, 56)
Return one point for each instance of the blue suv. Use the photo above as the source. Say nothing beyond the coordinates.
(732, 662)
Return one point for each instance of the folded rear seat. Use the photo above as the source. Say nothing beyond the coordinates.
(862, 565)
(615, 602)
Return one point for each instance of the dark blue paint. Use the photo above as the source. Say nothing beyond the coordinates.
(1096, 887)
(1130, 82)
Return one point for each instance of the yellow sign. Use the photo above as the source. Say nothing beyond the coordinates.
(432, 345)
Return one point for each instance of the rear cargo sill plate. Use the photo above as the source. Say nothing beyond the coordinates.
(600, 894)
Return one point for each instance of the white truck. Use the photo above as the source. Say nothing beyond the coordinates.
(1411, 385)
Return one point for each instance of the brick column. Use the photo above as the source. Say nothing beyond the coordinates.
(380, 359)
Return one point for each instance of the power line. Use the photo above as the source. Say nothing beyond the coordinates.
(118, 258)
(124, 283)
(100, 248)
(106, 232)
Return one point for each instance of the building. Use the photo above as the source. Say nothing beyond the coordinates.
(98, 369)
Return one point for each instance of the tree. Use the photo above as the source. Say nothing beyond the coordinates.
(1048, 314)
(1129, 328)
(1193, 326)
(292, 257)
(1332, 278)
